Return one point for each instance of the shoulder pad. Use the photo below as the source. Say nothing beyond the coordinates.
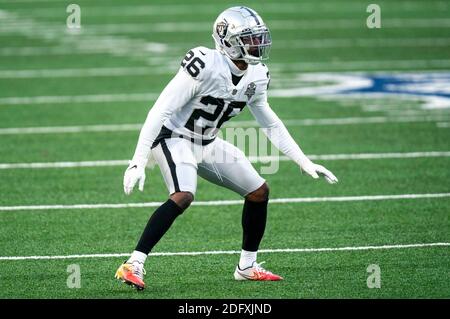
(197, 62)
(262, 74)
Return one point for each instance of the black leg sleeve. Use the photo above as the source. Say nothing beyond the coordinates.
(158, 225)
(254, 216)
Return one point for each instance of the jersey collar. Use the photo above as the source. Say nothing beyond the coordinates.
(234, 69)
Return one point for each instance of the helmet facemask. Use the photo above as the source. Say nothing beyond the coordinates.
(253, 45)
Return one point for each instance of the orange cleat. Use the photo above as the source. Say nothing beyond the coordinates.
(255, 272)
(132, 274)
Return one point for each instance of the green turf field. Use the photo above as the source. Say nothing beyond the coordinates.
(77, 99)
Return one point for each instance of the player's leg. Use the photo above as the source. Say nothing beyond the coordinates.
(227, 166)
(254, 216)
(179, 171)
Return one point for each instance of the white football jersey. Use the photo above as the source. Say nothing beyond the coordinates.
(216, 99)
(202, 96)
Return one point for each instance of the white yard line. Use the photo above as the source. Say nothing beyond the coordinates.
(46, 51)
(70, 129)
(64, 164)
(234, 252)
(302, 44)
(115, 45)
(320, 24)
(342, 121)
(12, 26)
(365, 43)
(241, 124)
(361, 156)
(440, 125)
(226, 202)
(85, 72)
(141, 71)
(358, 65)
(203, 27)
(146, 50)
(149, 71)
(29, 1)
(300, 8)
(253, 159)
(64, 99)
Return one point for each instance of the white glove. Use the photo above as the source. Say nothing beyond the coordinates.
(316, 170)
(134, 173)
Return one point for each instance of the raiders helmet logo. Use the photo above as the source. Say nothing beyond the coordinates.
(222, 28)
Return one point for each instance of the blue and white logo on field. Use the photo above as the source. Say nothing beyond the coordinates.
(432, 89)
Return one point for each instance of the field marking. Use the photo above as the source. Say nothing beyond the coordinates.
(45, 51)
(240, 124)
(145, 50)
(302, 44)
(172, 69)
(117, 46)
(31, 27)
(363, 42)
(319, 24)
(233, 252)
(227, 202)
(285, 67)
(342, 121)
(148, 71)
(182, 9)
(360, 156)
(253, 159)
(70, 129)
(64, 164)
(440, 125)
(358, 65)
(68, 99)
(84, 72)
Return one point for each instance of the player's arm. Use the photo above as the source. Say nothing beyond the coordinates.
(174, 96)
(277, 133)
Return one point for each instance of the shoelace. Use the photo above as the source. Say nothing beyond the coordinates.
(259, 268)
(139, 270)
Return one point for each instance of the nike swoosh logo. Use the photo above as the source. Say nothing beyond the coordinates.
(202, 52)
(245, 276)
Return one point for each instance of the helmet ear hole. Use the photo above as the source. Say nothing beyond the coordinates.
(227, 44)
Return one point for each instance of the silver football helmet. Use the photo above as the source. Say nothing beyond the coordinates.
(241, 34)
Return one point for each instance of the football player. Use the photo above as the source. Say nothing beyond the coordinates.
(211, 86)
